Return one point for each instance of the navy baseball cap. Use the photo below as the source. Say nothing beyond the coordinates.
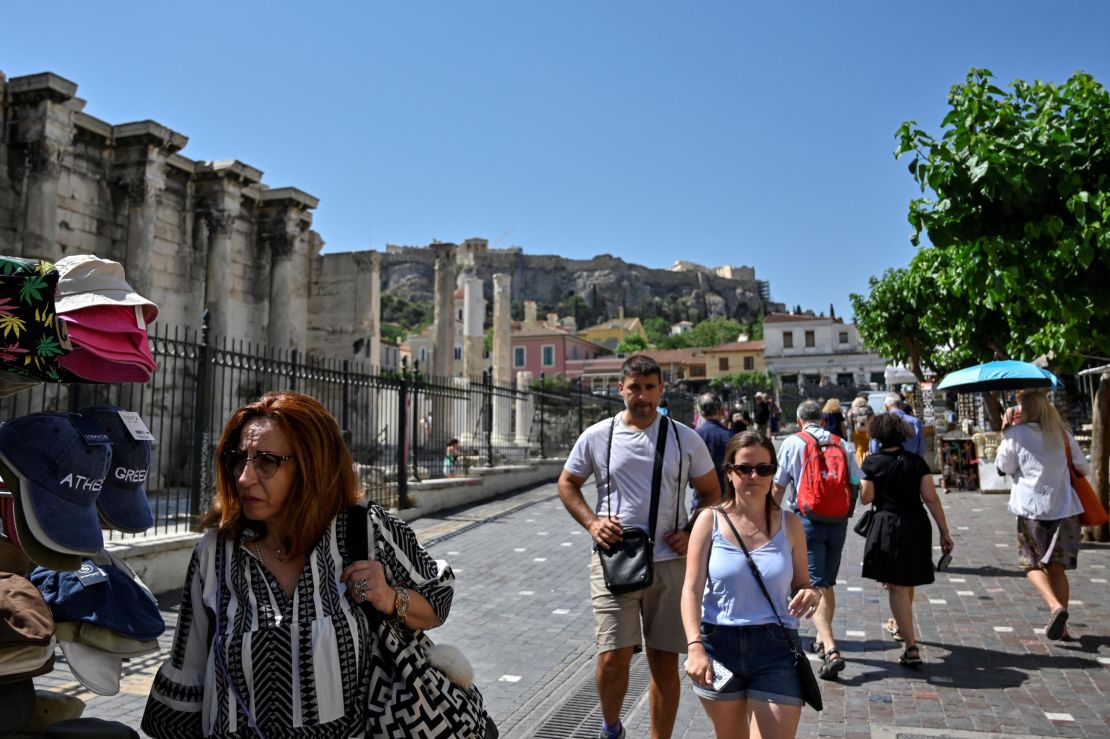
(61, 463)
(122, 502)
(104, 592)
(29, 541)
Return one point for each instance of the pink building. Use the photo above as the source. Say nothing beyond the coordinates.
(548, 350)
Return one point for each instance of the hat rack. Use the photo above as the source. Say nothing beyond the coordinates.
(82, 285)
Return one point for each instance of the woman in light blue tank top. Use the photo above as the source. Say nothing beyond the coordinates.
(740, 655)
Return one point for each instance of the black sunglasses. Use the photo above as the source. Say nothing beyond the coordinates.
(763, 470)
(265, 464)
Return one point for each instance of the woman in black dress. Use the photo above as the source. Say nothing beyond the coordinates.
(899, 547)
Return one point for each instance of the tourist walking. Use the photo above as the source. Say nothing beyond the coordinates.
(742, 645)
(621, 453)
(1035, 452)
(833, 418)
(899, 546)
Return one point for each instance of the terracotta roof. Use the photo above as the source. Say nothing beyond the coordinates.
(736, 346)
(625, 323)
(676, 356)
(787, 317)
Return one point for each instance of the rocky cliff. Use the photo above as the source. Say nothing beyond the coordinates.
(553, 280)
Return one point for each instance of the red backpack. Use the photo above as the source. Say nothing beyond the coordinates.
(825, 490)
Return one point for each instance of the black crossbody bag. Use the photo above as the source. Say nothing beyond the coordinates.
(811, 691)
(629, 565)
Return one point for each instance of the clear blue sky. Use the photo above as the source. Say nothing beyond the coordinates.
(719, 132)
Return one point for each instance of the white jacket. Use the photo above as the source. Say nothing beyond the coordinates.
(1042, 486)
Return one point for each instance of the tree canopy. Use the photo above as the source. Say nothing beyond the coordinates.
(1016, 204)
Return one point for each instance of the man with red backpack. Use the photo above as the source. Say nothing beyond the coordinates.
(821, 473)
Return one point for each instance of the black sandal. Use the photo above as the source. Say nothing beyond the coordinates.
(911, 657)
(832, 664)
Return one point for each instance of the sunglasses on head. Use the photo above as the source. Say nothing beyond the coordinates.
(763, 470)
(266, 464)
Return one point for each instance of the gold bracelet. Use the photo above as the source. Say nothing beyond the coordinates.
(401, 604)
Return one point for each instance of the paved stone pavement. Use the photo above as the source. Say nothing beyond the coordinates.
(522, 615)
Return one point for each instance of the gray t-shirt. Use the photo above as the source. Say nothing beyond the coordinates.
(633, 458)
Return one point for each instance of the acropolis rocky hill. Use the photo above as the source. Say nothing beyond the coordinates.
(409, 270)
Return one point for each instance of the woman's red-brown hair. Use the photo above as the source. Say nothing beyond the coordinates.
(324, 484)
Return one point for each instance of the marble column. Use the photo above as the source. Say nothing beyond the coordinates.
(502, 359)
(443, 354)
(217, 287)
(41, 113)
(375, 310)
(474, 315)
(525, 405)
(282, 225)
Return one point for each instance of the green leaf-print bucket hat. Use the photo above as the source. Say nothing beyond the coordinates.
(31, 336)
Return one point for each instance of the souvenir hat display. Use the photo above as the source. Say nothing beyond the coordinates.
(35, 340)
(26, 648)
(123, 503)
(87, 280)
(60, 467)
(106, 321)
(19, 532)
(108, 345)
(114, 615)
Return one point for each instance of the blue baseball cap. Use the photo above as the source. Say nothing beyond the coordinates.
(61, 464)
(104, 592)
(122, 502)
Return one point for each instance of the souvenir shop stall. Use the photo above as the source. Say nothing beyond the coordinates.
(68, 477)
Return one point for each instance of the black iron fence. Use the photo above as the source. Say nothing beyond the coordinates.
(398, 424)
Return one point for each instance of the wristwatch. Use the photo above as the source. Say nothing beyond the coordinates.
(400, 604)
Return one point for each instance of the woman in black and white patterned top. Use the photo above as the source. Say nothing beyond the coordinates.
(270, 640)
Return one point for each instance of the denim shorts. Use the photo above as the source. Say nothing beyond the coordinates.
(824, 544)
(761, 662)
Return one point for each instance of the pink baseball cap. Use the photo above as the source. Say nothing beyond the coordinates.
(88, 365)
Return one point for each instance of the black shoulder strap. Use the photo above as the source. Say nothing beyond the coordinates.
(680, 491)
(609, 470)
(657, 475)
(755, 569)
(357, 534)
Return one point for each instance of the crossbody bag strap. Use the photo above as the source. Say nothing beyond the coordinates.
(681, 489)
(609, 471)
(657, 475)
(358, 548)
(1067, 453)
(755, 569)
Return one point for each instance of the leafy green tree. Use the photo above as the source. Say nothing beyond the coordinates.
(744, 383)
(1016, 204)
(632, 343)
(411, 315)
(714, 331)
(657, 329)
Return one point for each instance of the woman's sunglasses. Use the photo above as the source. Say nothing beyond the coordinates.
(763, 470)
(265, 464)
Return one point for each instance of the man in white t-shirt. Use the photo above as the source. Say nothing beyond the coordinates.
(623, 474)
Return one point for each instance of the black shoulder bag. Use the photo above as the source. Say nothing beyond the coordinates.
(629, 565)
(811, 691)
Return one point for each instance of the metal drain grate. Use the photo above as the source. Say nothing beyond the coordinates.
(579, 717)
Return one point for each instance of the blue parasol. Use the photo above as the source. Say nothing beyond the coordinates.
(1006, 374)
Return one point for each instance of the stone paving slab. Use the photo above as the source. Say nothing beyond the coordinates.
(522, 615)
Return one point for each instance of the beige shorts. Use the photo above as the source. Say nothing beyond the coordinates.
(617, 617)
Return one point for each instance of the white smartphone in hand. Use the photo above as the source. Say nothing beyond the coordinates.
(721, 674)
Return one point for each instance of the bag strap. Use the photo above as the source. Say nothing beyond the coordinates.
(751, 563)
(358, 548)
(656, 473)
(680, 489)
(1067, 452)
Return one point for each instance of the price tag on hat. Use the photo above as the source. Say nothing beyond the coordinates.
(134, 423)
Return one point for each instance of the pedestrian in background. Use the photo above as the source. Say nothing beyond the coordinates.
(620, 452)
(915, 442)
(713, 433)
(1046, 505)
(859, 417)
(824, 538)
(740, 657)
(762, 413)
(899, 546)
(833, 418)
